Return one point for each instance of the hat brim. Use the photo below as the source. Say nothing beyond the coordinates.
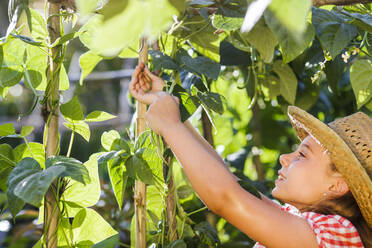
(341, 155)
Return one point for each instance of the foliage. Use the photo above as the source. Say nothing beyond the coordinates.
(210, 64)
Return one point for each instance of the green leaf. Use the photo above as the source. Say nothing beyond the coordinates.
(26, 130)
(84, 195)
(11, 70)
(97, 116)
(184, 191)
(28, 40)
(65, 38)
(178, 244)
(110, 242)
(207, 235)
(64, 82)
(162, 61)
(7, 164)
(108, 41)
(83, 234)
(88, 29)
(118, 178)
(332, 30)
(200, 65)
(273, 85)
(292, 14)
(154, 201)
(104, 157)
(288, 81)
(108, 138)
(361, 81)
(363, 21)
(290, 47)
(131, 51)
(121, 145)
(32, 188)
(263, 40)
(39, 28)
(7, 129)
(212, 101)
(73, 168)
(36, 65)
(24, 168)
(34, 150)
(226, 23)
(88, 62)
(79, 127)
(87, 7)
(138, 168)
(72, 111)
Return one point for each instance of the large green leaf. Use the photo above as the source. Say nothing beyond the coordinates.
(33, 149)
(24, 168)
(226, 23)
(118, 178)
(292, 14)
(138, 168)
(26, 130)
(87, 62)
(97, 116)
(7, 129)
(36, 65)
(290, 47)
(108, 138)
(361, 81)
(263, 40)
(71, 110)
(201, 34)
(7, 163)
(11, 70)
(32, 188)
(79, 127)
(212, 101)
(39, 28)
(108, 41)
(332, 30)
(199, 65)
(88, 228)
(110, 242)
(84, 195)
(73, 168)
(162, 61)
(288, 81)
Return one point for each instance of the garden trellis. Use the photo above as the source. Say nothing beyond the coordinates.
(285, 58)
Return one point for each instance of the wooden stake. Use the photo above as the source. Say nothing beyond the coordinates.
(140, 187)
(51, 112)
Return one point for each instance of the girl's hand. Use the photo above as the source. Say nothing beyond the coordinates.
(145, 85)
(163, 113)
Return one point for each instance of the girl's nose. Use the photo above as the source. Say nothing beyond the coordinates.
(284, 160)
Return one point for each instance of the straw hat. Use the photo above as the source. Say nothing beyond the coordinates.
(349, 143)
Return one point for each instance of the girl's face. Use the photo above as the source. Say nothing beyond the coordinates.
(305, 176)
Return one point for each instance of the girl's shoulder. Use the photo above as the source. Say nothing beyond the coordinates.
(330, 230)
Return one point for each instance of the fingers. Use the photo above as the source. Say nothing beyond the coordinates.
(176, 99)
(150, 74)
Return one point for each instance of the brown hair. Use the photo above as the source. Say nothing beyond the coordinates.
(347, 207)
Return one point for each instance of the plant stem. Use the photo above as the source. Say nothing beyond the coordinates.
(70, 145)
(197, 211)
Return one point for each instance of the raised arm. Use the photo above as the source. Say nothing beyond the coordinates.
(218, 188)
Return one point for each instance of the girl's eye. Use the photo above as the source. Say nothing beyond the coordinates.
(302, 155)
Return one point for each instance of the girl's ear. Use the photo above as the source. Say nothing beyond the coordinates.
(339, 187)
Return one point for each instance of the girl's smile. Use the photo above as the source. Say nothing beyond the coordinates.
(306, 176)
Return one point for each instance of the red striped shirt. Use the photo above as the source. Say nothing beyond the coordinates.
(331, 231)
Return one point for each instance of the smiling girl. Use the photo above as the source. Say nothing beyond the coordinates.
(326, 183)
